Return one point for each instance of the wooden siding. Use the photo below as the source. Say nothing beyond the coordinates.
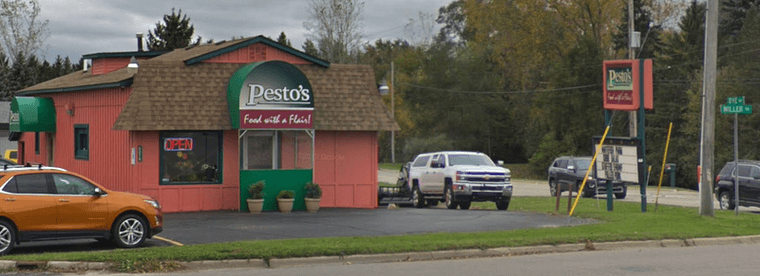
(255, 53)
(187, 198)
(109, 155)
(346, 168)
(102, 66)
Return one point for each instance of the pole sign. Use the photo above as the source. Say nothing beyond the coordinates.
(622, 81)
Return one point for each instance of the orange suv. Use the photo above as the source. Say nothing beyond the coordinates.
(48, 203)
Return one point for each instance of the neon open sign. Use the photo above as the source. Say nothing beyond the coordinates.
(178, 144)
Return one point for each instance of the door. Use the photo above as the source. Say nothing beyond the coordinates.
(753, 185)
(29, 202)
(563, 174)
(743, 177)
(428, 176)
(78, 207)
(258, 151)
(437, 178)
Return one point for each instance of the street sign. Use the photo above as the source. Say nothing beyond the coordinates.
(736, 108)
(735, 100)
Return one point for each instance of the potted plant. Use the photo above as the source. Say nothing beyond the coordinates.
(312, 197)
(255, 197)
(285, 200)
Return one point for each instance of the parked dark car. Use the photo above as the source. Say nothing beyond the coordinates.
(570, 170)
(749, 184)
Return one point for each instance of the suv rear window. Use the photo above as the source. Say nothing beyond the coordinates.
(32, 184)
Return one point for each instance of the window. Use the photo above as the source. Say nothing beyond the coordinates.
(71, 185)
(82, 142)
(744, 171)
(36, 143)
(32, 183)
(277, 150)
(191, 157)
(421, 161)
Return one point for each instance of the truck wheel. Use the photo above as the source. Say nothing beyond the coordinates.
(726, 201)
(553, 187)
(588, 192)
(417, 198)
(465, 205)
(622, 194)
(449, 197)
(502, 204)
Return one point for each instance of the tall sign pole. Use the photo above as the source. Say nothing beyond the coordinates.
(736, 106)
(631, 55)
(708, 111)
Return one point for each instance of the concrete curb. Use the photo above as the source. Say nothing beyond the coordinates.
(404, 257)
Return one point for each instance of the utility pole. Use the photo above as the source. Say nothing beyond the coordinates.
(632, 127)
(708, 111)
(393, 115)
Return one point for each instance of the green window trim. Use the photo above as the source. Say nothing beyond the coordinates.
(82, 142)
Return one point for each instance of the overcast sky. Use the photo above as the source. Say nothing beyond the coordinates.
(79, 27)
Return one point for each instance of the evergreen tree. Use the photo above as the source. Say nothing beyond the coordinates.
(5, 71)
(732, 16)
(282, 39)
(642, 22)
(175, 32)
(310, 49)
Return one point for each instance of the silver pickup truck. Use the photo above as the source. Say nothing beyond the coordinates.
(458, 178)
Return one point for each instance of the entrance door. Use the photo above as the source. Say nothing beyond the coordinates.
(258, 151)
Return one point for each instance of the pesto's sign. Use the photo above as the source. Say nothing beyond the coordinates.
(270, 95)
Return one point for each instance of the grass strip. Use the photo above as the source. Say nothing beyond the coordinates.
(627, 222)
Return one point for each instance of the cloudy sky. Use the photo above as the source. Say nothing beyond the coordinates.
(79, 27)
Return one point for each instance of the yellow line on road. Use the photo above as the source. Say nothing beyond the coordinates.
(168, 241)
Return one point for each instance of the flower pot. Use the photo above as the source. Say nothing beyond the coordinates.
(285, 204)
(312, 204)
(255, 205)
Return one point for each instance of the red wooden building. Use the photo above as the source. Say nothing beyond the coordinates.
(194, 127)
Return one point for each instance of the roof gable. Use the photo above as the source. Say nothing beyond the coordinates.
(255, 40)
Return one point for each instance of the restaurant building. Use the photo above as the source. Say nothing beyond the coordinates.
(194, 127)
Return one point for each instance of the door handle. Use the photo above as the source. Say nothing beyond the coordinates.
(10, 199)
(63, 200)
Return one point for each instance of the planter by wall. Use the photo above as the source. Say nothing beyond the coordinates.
(285, 204)
(255, 205)
(312, 204)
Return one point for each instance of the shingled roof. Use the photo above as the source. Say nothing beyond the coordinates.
(177, 91)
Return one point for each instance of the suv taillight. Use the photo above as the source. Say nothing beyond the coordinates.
(717, 179)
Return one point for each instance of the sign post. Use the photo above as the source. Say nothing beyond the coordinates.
(736, 106)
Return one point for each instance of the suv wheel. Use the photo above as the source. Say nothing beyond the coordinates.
(7, 237)
(726, 201)
(129, 231)
(449, 198)
(553, 187)
(417, 198)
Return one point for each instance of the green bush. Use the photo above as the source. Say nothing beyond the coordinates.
(286, 194)
(256, 190)
(312, 190)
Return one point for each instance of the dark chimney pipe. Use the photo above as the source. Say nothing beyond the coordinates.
(139, 42)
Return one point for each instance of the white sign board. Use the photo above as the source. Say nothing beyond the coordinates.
(617, 162)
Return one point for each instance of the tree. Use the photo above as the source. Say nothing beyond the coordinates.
(282, 39)
(175, 32)
(643, 23)
(337, 28)
(309, 48)
(21, 29)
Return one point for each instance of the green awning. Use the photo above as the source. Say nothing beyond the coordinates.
(32, 114)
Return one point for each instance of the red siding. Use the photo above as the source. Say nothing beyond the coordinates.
(188, 198)
(346, 168)
(255, 53)
(109, 158)
(106, 65)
